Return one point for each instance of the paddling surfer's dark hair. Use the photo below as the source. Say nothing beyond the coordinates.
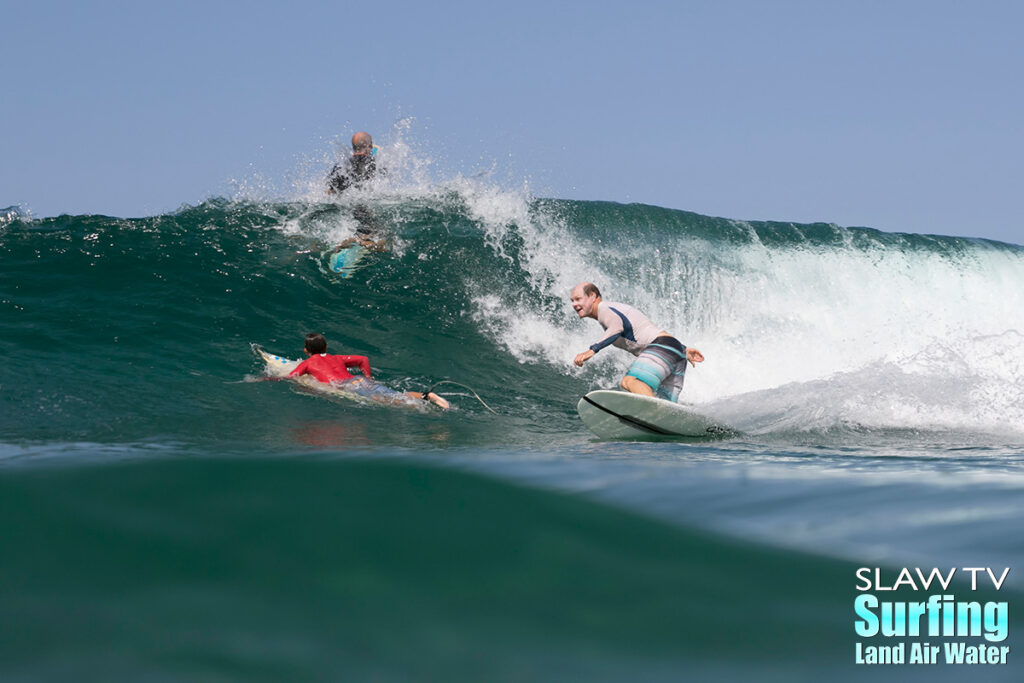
(316, 343)
(591, 289)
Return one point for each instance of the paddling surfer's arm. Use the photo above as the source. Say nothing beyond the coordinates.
(361, 362)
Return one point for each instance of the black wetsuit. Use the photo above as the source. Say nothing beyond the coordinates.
(355, 171)
(358, 169)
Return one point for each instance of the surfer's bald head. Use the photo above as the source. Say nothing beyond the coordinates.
(589, 289)
(362, 143)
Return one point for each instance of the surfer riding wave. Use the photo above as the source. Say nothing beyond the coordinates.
(660, 367)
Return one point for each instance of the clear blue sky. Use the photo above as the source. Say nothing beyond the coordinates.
(903, 116)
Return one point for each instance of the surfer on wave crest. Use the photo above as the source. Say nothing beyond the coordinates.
(353, 172)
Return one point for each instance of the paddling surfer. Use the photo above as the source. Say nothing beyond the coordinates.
(334, 369)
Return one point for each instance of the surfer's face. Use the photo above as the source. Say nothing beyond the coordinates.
(582, 303)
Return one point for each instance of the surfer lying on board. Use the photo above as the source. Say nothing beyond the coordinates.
(660, 366)
(332, 369)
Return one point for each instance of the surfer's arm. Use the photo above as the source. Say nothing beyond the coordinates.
(361, 362)
(605, 341)
(612, 325)
(694, 355)
(582, 358)
(337, 180)
(300, 370)
(612, 332)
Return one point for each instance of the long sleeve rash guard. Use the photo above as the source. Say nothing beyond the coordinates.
(625, 327)
(332, 368)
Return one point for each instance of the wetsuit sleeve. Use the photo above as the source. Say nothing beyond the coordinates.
(300, 370)
(613, 328)
(362, 362)
(338, 179)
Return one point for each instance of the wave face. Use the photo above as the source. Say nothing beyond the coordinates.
(137, 328)
(165, 511)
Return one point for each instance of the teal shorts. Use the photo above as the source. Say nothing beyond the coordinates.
(662, 367)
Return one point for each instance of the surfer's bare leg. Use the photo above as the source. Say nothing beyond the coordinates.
(382, 244)
(378, 245)
(635, 386)
(345, 244)
(432, 397)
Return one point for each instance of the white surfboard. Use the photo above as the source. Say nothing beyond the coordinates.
(622, 415)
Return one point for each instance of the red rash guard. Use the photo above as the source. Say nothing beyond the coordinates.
(332, 368)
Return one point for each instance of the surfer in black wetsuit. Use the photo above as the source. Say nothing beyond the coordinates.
(356, 170)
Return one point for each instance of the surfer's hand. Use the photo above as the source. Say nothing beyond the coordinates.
(694, 355)
(583, 358)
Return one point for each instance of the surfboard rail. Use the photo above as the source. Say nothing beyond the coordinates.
(621, 415)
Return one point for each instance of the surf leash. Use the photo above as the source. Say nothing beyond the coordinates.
(448, 381)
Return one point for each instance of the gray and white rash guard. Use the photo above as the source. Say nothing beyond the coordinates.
(625, 327)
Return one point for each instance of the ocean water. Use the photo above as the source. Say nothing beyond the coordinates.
(166, 515)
